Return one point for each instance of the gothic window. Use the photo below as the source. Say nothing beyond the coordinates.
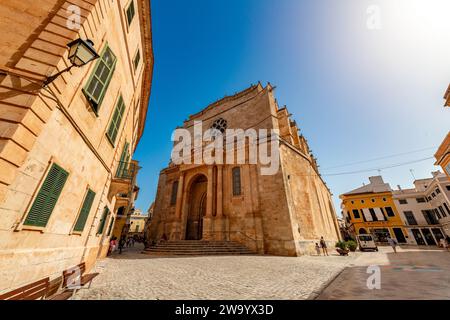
(220, 124)
(236, 181)
(173, 198)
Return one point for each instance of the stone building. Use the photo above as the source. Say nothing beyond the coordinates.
(66, 146)
(283, 213)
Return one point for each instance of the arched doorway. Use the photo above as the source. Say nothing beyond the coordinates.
(197, 208)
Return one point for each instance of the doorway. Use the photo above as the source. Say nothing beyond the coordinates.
(399, 235)
(418, 236)
(428, 237)
(197, 208)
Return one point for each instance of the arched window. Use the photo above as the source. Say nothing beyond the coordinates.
(362, 231)
(220, 124)
(236, 181)
(173, 198)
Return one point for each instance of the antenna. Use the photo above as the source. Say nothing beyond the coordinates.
(412, 173)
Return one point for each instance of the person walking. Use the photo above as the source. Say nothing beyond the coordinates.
(323, 245)
(444, 244)
(393, 243)
(122, 243)
(317, 249)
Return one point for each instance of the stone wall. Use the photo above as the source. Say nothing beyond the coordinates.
(280, 214)
(39, 127)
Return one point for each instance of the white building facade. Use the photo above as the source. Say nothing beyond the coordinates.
(425, 209)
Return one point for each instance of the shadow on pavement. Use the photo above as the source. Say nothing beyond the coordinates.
(408, 274)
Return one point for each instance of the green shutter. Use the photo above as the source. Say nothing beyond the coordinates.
(46, 199)
(116, 120)
(101, 225)
(100, 78)
(124, 157)
(111, 224)
(85, 209)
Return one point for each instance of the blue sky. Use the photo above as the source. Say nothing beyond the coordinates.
(356, 93)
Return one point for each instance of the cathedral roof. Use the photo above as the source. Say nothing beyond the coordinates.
(257, 87)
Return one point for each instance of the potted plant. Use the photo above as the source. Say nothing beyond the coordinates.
(341, 248)
(352, 245)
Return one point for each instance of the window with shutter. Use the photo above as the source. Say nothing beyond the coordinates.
(114, 125)
(84, 212)
(46, 199)
(122, 169)
(100, 78)
(111, 225)
(136, 60)
(130, 12)
(101, 225)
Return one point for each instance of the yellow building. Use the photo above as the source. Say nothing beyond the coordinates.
(370, 209)
(442, 155)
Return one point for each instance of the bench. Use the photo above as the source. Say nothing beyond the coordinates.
(52, 293)
(76, 277)
(33, 291)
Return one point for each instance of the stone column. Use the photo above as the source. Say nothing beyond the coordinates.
(179, 208)
(179, 204)
(209, 193)
(219, 202)
(208, 233)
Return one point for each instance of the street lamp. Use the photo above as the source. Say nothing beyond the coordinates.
(81, 52)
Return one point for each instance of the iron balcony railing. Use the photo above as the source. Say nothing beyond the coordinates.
(126, 170)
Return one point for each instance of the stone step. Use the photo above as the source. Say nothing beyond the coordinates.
(198, 247)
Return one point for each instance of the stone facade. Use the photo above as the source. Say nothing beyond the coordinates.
(281, 214)
(43, 128)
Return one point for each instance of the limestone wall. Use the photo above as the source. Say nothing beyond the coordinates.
(57, 125)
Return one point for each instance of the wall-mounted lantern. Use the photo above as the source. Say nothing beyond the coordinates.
(81, 52)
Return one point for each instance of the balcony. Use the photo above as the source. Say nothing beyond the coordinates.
(124, 179)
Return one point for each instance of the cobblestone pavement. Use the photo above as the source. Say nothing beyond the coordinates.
(136, 276)
(411, 274)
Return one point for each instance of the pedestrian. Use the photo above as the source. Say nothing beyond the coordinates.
(393, 243)
(112, 244)
(444, 244)
(317, 249)
(323, 244)
(121, 244)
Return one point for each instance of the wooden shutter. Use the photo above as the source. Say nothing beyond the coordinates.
(46, 199)
(123, 161)
(111, 224)
(84, 212)
(101, 225)
(100, 78)
(114, 125)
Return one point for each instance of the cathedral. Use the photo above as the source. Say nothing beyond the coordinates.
(279, 212)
